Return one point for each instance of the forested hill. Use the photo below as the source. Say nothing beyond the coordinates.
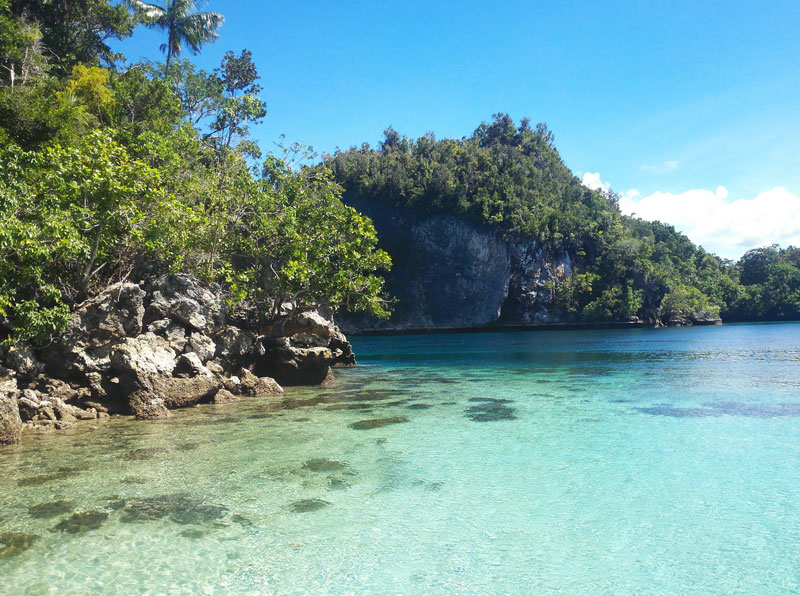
(512, 178)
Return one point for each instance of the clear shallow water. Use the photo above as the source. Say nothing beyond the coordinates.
(613, 462)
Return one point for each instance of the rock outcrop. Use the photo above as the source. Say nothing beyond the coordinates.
(451, 273)
(10, 422)
(146, 348)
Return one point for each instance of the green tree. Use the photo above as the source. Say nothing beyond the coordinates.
(76, 31)
(181, 21)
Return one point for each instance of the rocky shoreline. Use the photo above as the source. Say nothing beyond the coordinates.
(145, 348)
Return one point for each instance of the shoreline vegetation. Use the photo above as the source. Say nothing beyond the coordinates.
(153, 257)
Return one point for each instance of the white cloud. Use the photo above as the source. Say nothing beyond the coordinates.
(727, 228)
(667, 166)
(593, 181)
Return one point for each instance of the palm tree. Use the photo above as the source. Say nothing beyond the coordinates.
(182, 23)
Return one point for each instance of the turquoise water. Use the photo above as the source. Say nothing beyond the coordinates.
(615, 462)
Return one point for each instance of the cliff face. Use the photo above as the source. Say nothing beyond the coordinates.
(451, 273)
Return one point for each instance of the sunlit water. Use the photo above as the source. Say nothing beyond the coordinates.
(613, 462)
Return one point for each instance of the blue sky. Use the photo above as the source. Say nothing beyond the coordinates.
(666, 102)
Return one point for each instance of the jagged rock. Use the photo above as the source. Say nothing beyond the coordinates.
(32, 395)
(46, 411)
(22, 359)
(184, 300)
(147, 354)
(308, 340)
(181, 393)
(94, 328)
(10, 422)
(329, 379)
(342, 349)
(296, 366)
(142, 364)
(96, 384)
(215, 368)
(105, 361)
(28, 409)
(189, 365)
(233, 384)
(223, 396)
(311, 322)
(145, 366)
(175, 334)
(233, 343)
(116, 312)
(266, 386)
(59, 389)
(203, 346)
(159, 327)
(247, 381)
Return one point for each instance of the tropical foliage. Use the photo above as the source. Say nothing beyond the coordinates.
(108, 172)
(182, 22)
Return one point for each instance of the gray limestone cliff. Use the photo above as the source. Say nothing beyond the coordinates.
(451, 273)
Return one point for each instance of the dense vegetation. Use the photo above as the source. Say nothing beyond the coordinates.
(512, 178)
(107, 170)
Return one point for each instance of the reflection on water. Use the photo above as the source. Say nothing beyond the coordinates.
(609, 462)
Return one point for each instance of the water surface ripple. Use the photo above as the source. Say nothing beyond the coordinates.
(572, 462)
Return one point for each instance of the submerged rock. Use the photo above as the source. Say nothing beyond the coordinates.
(377, 422)
(59, 474)
(490, 410)
(50, 509)
(323, 465)
(14, 543)
(144, 454)
(180, 508)
(307, 505)
(82, 522)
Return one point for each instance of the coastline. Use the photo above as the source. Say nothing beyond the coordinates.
(538, 327)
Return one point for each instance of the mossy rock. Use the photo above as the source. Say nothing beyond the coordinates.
(82, 522)
(50, 509)
(15, 543)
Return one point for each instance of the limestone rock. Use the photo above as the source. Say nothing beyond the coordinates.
(308, 340)
(22, 359)
(147, 354)
(296, 366)
(175, 334)
(10, 421)
(181, 393)
(223, 396)
(189, 365)
(203, 346)
(266, 386)
(233, 343)
(28, 409)
(183, 299)
(247, 381)
(94, 328)
(449, 272)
